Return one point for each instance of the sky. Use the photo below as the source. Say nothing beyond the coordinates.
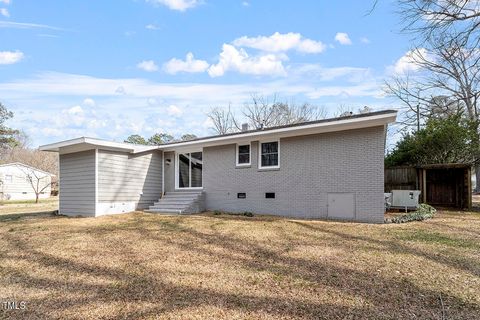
(109, 69)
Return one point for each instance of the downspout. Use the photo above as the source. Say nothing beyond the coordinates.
(96, 181)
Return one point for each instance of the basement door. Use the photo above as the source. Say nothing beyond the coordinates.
(341, 206)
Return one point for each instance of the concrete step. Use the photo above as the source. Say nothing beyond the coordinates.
(166, 211)
(170, 206)
(182, 195)
(178, 202)
(174, 201)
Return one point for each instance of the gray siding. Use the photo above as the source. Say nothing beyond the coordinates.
(124, 177)
(77, 183)
(311, 167)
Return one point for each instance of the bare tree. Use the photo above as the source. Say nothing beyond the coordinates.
(343, 110)
(223, 120)
(262, 112)
(451, 70)
(39, 181)
(446, 57)
(429, 19)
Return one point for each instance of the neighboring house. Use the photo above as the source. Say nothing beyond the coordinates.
(330, 168)
(16, 181)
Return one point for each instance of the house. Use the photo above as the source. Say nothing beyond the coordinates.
(19, 181)
(330, 168)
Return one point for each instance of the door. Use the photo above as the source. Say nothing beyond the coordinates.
(341, 206)
(189, 171)
(442, 187)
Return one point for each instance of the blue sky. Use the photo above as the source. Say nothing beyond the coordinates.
(110, 69)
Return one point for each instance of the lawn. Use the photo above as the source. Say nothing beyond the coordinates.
(146, 266)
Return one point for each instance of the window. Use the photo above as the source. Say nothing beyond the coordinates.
(8, 178)
(270, 195)
(243, 154)
(189, 170)
(270, 155)
(241, 195)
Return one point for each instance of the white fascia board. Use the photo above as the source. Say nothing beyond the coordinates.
(322, 127)
(84, 143)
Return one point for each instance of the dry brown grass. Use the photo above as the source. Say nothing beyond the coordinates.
(145, 266)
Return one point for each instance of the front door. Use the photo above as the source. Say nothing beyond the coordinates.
(189, 170)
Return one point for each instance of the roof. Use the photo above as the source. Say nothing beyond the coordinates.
(372, 119)
(86, 143)
(16, 164)
(445, 166)
(378, 118)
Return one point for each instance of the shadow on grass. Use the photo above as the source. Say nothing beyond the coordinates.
(384, 297)
(396, 246)
(24, 216)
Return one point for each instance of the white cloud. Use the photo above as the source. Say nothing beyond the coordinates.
(179, 5)
(73, 116)
(364, 40)
(143, 105)
(4, 12)
(360, 90)
(343, 38)
(7, 2)
(407, 63)
(232, 59)
(316, 71)
(174, 111)
(89, 102)
(120, 90)
(10, 57)
(190, 65)
(152, 26)
(245, 3)
(278, 42)
(24, 25)
(148, 65)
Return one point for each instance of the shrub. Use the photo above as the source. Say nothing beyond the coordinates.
(217, 212)
(423, 212)
(248, 214)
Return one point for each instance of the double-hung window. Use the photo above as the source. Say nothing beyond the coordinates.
(269, 155)
(243, 154)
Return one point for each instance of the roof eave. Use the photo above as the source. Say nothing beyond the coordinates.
(341, 125)
(85, 144)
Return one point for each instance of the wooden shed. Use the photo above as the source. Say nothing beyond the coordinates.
(442, 185)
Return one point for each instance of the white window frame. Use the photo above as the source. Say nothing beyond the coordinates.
(177, 155)
(249, 144)
(9, 178)
(260, 154)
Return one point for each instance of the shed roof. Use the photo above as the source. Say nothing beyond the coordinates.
(445, 166)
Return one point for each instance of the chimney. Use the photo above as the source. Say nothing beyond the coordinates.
(244, 127)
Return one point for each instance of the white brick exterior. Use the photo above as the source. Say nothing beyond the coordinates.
(311, 166)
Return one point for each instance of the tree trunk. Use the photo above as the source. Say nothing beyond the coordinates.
(36, 197)
(477, 178)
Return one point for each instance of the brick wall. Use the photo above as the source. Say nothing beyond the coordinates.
(310, 167)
